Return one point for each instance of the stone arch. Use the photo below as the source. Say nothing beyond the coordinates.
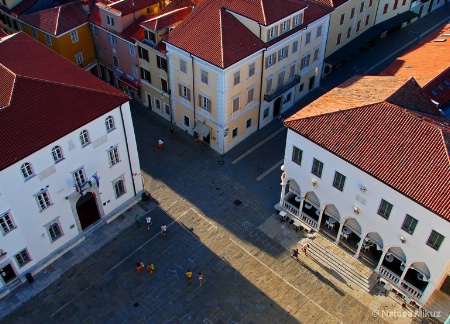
(331, 211)
(354, 225)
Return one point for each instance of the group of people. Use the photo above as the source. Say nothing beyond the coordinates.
(295, 252)
(140, 266)
(189, 277)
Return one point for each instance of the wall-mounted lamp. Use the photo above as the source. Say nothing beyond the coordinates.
(363, 189)
(314, 183)
(356, 210)
(282, 167)
(402, 239)
(2, 252)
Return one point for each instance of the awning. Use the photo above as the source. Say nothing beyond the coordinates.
(128, 82)
(202, 129)
(341, 54)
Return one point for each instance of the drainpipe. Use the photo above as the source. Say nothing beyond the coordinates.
(128, 150)
(260, 88)
(193, 84)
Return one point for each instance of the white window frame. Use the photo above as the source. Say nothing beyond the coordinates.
(109, 20)
(272, 32)
(115, 59)
(205, 102)
(7, 223)
(22, 258)
(132, 49)
(74, 36)
(84, 138)
(119, 187)
(57, 154)
(109, 123)
(79, 58)
(34, 33)
(269, 83)
(43, 200)
(183, 66)
(250, 98)
(251, 69)
(94, 30)
(79, 177)
(294, 46)
(283, 53)
(271, 60)
(186, 118)
(308, 38)
(50, 228)
(113, 156)
(236, 78)
(27, 170)
(319, 31)
(167, 109)
(204, 76)
(157, 104)
(112, 39)
(135, 71)
(236, 104)
(48, 39)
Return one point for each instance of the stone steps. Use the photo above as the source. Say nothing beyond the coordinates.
(438, 304)
(365, 280)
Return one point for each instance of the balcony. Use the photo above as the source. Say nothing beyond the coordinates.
(279, 91)
(389, 275)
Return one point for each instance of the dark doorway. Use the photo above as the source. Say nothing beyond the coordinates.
(94, 71)
(206, 139)
(445, 288)
(102, 73)
(110, 77)
(149, 99)
(312, 80)
(87, 210)
(8, 273)
(277, 107)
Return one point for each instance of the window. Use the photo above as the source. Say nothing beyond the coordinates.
(183, 66)
(349, 32)
(292, 71)
(34, 32)
(237, 78)
(115, 61)
(308, 38)
(269, 84)
(112, 39)
(186, 121)
(305, 61)
(84, 138)
(119, 188)
(409, 224)
(98, 51)
(266, 113)
(27, 171)
(184, 92)
(143, 53)
(316, 54)
(145, 75)
(385, 209)
(280, 81)
(249, 123)
(338, 41)
(109, 20)
(22, 258)
(300, 89)
(395, 5)
(57, 153)
(113, 155)
(48, 39)
(298, 19)
(204, 76)
(272, 32)
(164, 85)
(161, 62)
(79, 58)
(43, 200)
(167, 109)
(94, 30)
(297, 155)
(339, 181)
(385, 9)
(157, 104)
(361, 8)
(7, 224)
(283, 53)
(135, 71)
(317, 168)
(250, 95)
(150, 36)
(294, 47)
(271, 60)
(79, 178)
(251, 70)
(54, 231)
(319, 31)
(74, 36)
(205, 102)
(367, 19)
(342, 19)
(235, 132)
(435, 240)
(352, 13)
(109, 123)
(235, 104)
(285, 26)
(434, 92)
(132, 49)
(358, 25)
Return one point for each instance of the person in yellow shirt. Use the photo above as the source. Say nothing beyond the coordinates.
(189, 276)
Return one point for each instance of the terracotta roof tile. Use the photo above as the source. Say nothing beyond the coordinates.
(59, 19)
(438, 89)
(407, 150)
(129, 6)
(63, 95)
(167, 18)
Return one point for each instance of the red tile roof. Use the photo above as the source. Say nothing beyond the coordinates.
(406, 149)
(59, 96)
(331, 3)
(57, 20)
(129, 6)
(167, 19)
(441, 86)
(227, 39)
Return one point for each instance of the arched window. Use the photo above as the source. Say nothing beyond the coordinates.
(109, 122)
(119, 188)
(54, 231)
(57, 153)
(84, 138)
(27, 171)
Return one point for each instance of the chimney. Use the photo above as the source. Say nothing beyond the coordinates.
(85, 6)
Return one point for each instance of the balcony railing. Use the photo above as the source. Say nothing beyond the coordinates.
(282, 89)
(389, 275)
(290, 208)
(411, 290)
(308, 221)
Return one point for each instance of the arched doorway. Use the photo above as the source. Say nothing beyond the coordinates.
(87, 210)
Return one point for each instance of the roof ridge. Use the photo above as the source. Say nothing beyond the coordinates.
(57, 20)
(221, 34)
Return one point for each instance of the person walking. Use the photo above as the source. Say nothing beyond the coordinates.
(148, 220)
(163, 230)
(295, 253)
(150, 268)
(172, 132)
(139, 267)
(200, 278)
(160, 144)
(189, 276)
(138, 220)
(305, 247)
